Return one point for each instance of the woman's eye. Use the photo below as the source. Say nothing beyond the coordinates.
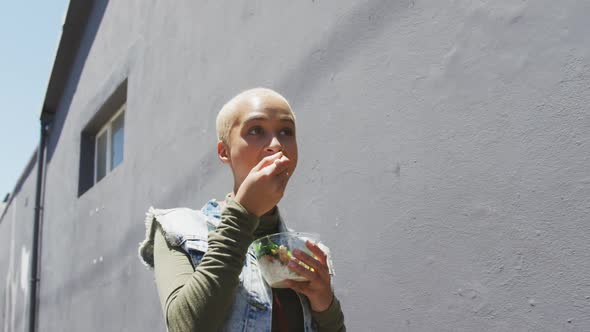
(286, 132)
(255, 131)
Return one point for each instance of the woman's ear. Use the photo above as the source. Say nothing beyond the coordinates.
(223, 152)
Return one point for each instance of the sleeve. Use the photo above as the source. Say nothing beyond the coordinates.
(331, 319)
(200, 299)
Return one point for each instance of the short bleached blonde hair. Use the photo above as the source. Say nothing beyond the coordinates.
(227, 115)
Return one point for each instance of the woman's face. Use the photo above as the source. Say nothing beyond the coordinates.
(263, 125)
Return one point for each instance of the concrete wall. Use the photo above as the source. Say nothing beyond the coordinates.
(16, 235)
(444, 152)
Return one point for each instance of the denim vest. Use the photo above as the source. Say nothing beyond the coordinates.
(188, 230)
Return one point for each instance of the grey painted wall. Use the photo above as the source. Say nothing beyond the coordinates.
(444, 152)
(16, 234)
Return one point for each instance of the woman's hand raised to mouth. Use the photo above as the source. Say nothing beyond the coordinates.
(264, 186)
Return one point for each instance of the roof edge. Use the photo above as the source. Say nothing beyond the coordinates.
(19, 183)
(73, 30)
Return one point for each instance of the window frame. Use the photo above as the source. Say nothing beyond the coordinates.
(108, 126)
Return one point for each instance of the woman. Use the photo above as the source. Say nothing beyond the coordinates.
(207, 278)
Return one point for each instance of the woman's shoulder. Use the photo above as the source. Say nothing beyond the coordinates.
(182, 214)
(179, 220)
(176, 224)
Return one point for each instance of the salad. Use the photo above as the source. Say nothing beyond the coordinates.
(274, 252)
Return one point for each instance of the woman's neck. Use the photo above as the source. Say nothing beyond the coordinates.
(269, 222)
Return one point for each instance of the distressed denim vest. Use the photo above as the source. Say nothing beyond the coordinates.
(188, 229)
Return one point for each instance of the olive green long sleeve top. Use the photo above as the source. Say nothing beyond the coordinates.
(201, 299)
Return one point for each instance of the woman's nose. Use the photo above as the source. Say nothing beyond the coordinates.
(274, 146)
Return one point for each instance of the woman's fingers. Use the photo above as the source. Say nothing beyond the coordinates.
(268, 160)
(302, 271)
(307, 259)
(317, 288)
(315, 249)
(277, 167)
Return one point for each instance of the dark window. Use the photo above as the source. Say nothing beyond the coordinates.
(103, 140)
(109, 145)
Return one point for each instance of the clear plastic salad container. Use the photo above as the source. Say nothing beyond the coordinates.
(274, 252)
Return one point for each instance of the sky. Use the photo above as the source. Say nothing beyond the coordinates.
(29, 36)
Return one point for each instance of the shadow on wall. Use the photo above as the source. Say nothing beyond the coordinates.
(63, 106)
(363, 22)
(329, 54)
